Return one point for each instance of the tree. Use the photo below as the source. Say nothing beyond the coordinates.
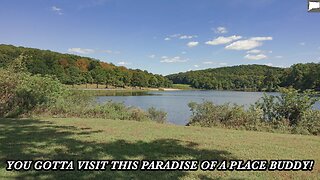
(98, 76)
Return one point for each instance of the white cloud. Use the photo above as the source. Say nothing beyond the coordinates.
(152, 56)
(248, 43)
(176, 59)
(187, 36)
(208, 62)
(223, 40)
(91, 51)
(57, 10)
(215, 64)
(193, 44)
(302, 43)
(223, 64)
(255, 57)
(81, 50)
(110, 51)
(175, 35)
(221, 30)
(244, 45)
(268, 64)
(107, 51)
(261, 38)
(179, 36)
(196, 66)
(279, 57)
(183, 52)
(254, 51)
(122, 63)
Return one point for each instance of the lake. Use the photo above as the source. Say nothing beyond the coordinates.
(175, 103)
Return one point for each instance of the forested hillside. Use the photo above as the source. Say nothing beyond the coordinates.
(252, 77)
(73, 69)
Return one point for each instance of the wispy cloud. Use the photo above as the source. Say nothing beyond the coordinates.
(254, 51)
(208, 62)
(91, 51)
(109, 51)
(57, 10)
(176, 59)
(255, 57)
(192, 44)
(152, 56)
(123, 63)
(261, 38)
(187, 36)
(81, 50)
(302, 43)
(179, 36)
(220, 30)
(223, 40)
(217, 64)
(248, 44)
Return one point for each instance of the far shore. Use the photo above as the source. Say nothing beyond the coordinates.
(124, 89)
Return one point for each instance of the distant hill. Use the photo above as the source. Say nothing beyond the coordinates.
(73, 69)
(252, 77)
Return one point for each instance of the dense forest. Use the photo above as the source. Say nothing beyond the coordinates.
(73, 69)
(252, 77)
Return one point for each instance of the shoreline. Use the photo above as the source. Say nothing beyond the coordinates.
(114, 89)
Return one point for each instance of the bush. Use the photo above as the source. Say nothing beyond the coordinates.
(309, 124)
(138, 115)
(22, 92)
(291, 112)
(157, 115)
(208, 114)
(290, 105)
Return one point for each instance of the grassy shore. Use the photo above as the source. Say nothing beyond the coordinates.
(79, 139)
(102, 90)
(111, 88)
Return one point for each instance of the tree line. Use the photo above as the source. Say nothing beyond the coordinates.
(72, 69)
(252, 77)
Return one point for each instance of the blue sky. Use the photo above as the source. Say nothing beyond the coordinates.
(167, 36)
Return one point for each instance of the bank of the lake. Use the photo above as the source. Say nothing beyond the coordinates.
(175, 102)
(93, 139)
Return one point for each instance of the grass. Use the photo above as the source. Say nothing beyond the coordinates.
(182, 86)
(79, 139)
(115, 92)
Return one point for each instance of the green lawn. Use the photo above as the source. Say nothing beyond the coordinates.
(79, 139)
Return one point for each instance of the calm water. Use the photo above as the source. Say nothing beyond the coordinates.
(175, 103)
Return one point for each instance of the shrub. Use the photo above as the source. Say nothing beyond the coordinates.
(290, 105)
(309, 124)
(138, 115)
(22, 92)
(208, 114)
(291, 112)
(157, 115)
